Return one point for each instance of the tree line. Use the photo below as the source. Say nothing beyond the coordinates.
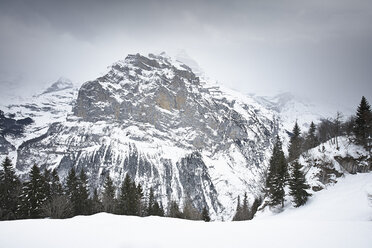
(44, 196)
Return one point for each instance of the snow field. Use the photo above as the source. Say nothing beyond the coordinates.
(340, 216)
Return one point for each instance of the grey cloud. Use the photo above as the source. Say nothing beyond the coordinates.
(322, 49)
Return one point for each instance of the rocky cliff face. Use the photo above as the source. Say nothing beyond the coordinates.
(153, 118)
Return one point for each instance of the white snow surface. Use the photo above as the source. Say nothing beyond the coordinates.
(340, 216)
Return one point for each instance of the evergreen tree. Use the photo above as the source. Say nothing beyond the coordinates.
(48, 183)
(33, 195)
(57, 205)
(298, 186)
(82, 203)
(125, 196)
(96, 204)
(151, 203)
(238, 212)
(242, 212)
(363, 123)
(245, 209)
(311, 138)
(205, 215)
(158, 209)
(295, 143)
(130, 198)
(174, 210)
(71, 190)
(55, 186)
(277, 175)
(189, 211)
(108, 196)
(138, 206)
(10, 187)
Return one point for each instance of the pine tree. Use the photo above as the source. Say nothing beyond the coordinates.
(72, 192)
(311, 138)
(174, 210)
(10, 187)
(242, 212)
(82, 202)
(189, 210)
(96, 204)
(238, 211)
(57, 205)
(125, 197)
(295, 143)
(363, 123)
(277, 175)
(33, 195)
(245, 209)
(151, 203)
(48, 184)
(298, 186)
(158, 209)
(138, 207)
(108, 196)
(205, 215)
(55, 186)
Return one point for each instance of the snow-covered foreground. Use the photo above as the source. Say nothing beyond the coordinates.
(340, 216)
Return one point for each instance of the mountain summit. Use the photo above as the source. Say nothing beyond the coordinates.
(153, 118)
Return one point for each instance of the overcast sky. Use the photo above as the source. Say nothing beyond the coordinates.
(318, 49)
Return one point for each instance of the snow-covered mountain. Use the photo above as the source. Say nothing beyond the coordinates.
(154, 118)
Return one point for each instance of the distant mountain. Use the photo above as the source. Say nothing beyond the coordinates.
(292, 108)
(53, 105)
(61, 84)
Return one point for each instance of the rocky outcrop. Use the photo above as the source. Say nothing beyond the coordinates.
(355, 165)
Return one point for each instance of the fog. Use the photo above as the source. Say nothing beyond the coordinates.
(316, 49)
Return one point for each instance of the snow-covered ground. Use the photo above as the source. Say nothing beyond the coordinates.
(339, 216)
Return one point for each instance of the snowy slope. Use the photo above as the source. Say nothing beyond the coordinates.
(340, 216)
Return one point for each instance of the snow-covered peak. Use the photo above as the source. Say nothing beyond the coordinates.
(61, 84)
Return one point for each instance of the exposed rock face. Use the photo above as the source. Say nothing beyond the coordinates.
(5, 146)
(153, 118)
(355, 165)
(11, 126)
